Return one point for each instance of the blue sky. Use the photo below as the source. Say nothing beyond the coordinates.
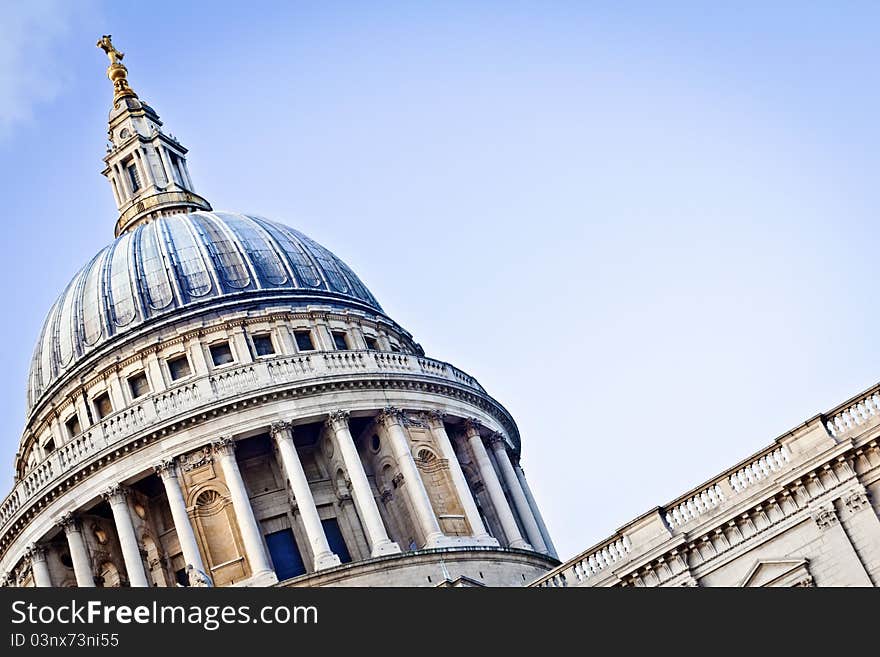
(649, 231)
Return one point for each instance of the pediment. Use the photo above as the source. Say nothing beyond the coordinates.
(778, 573)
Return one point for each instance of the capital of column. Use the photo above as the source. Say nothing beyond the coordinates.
(435, 418)
(70, 523)
(496, 440)
(472, 427)
(35, 553)
(337, 419)
(224, 446)
(166, 468)
(116, 494)
(390, 415)
(281, 429)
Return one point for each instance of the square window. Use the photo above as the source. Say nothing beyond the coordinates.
(221, 354)
(102, 405)
(179, 367)
(304, 340)
(139, 385)
(263, 345)
(339, 340)
(372, 343)
(395, 348)
(48, 446)
(73, 427)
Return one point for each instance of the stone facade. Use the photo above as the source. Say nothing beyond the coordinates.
(803, 512)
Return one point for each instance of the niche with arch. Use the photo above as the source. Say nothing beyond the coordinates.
(219, 536)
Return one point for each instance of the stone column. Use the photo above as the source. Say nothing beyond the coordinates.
(240, 345)
(131, 551)
(37, 556)
(392, 420)
(364, 501)
(251, 534)
(499, 447)
(493, 487)
(302, 494)
(438, 430)
(79, 553)
(167, 471)
(170, 179)
(536, 512)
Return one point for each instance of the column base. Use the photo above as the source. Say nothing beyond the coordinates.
(326, 560)
(260, 578)
(381, 549)
(521, 545)
(442, 541)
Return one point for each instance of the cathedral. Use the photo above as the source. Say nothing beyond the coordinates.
(217, 400)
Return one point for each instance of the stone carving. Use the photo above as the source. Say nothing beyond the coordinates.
(338, 417)
(390, 415)
(116, 494)
(70, 523)
(165, 469)
(224, 445)
(397, 481)
(197, 459)
(825, 517)
(856, 501)
(280, 427)
(197, 578)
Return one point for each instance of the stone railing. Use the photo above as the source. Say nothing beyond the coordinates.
(588, 565)
(856, 414)
(695, 506)
(209, 389)
(760, 469)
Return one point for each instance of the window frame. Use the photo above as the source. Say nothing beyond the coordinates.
(336, 335)
(175, 358)
(228, 342)
(264, 336)
(73, 417)
(308, 333)
(96, 406)
(136, 375)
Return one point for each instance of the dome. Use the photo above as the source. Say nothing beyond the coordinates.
(178, 262)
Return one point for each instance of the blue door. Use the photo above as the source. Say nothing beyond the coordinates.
(285, 554)
(334, 538)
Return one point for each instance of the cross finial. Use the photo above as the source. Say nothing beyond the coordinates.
(105, 44)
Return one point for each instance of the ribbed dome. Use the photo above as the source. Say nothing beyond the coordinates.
(178, 262)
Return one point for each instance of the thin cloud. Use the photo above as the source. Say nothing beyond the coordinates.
(30, 32)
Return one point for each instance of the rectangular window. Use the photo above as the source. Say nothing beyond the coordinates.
(285, 554)
(372, 343)
(335, 540)
(339, 340)
(103, 407)
(138, 385)
(72, 424)
(221, 354)
(263, 345)
(395, 348)
(134, 176)
(48, 446)
(304, 340)
(178, 367)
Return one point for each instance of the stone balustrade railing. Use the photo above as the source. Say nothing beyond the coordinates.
(194, 393)
(859, 413)
(590, 564)
(760, 469)
(695, 506)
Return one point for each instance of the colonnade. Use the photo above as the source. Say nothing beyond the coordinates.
(528, 533)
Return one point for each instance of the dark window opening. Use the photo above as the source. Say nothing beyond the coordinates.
(395, 348)
(339, 341)
(304, 340)
(138, 385)
(263, 345)
(49, 446)
(285, 554)
(335, 540)
(179, 367)
(72, 424)
(134, 176)
(372, 343)
(103, 407)
(221, 354)
(181, 577)
(66, 560)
